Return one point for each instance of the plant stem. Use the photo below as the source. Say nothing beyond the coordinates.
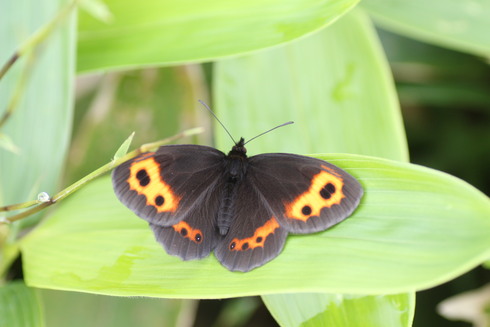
(96, 173)
(29, 47)
(38, 37)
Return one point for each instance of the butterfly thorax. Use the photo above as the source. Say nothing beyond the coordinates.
(236, 164)
(236, 161)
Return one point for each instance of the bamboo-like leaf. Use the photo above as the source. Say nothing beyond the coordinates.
(20, 306)
(155, 32)
(341, 310)
(462, 25)
(414, 229)
(41, 124)
(335, 85)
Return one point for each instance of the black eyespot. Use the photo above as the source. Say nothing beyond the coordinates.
(327, 191)
(198, 238)
(143, 177)
(183, 232)
(306, 210)
(259, 239)
(141, 174)
(245, 246)
(159, 200)
(232, 245)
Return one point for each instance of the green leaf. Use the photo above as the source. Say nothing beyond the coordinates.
(341, 310)
(408, 233)
(335, 85)
(20, 306)
(9, 249)
(111, 311)
(168, 32)
(461, 25)
(41, 125)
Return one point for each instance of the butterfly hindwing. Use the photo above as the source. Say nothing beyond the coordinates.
(196, 235)
(254, 237)
(306, 195)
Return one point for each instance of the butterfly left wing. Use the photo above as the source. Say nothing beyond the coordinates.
(254, 237)
(177, 191)
(162, 187)
(305, 194)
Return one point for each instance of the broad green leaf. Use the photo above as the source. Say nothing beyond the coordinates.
(335, 85)
(20, 306)
(41, 125)
(341, 310)
(111, 311)
(9, 249)
(155, 32)
(408, 233)
(461, 25)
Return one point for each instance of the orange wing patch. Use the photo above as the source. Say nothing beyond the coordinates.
(258, 239)
(193, 234)
(325, 191)
(144, 178)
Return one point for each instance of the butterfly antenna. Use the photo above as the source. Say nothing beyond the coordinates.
(219, 121)
(270, 130)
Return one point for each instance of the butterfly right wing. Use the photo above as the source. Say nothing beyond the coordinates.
(306, 194)
(177, 190)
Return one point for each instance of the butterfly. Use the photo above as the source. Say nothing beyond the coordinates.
(198, 199)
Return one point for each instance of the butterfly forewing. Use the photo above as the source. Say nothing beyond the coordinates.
(305, 194)
(166, 186)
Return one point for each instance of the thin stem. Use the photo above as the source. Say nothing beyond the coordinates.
(19, 90)
(96, 173)
(29, 47)
(38, 37)
(9, 64)
(18, 206)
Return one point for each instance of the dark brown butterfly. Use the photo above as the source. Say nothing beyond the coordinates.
(198, 199)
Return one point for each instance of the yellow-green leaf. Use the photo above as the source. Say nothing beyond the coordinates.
(415, 228)
(155, 32)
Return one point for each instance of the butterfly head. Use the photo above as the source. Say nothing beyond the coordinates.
(238, 149)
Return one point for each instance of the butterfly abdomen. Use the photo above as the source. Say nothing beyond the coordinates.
(225, 212)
